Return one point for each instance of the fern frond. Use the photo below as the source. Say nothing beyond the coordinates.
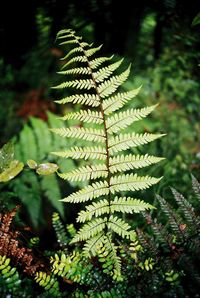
(122, 163)
(186, 208)
(110, 86)
(96, 209)
(91, 245)
(77, 70)
(101, 245)
(112, 249)
(117, 101)
(88, 134)
(103, 82)
(72, 51)
(84, 99)
(78, 84)
(174, 220)
(90, 230)
(85, 153)
(81, 59)
(129, 205)
(131, 182)
(67, 33)
(119, 226)
(196, 187)
(126, 141)
(92, 51)
(124, 119)
(85, 116)
(69, 42)
(90, 192)
(70, 35)
(86, 173)
(59, 229)
(105, 72)
(98, 61)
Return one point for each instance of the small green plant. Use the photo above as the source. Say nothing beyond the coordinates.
(102, 218)
(9, 276)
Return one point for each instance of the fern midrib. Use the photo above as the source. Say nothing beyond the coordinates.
(105, 132)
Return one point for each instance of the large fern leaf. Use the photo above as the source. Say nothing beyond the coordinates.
(98, 78)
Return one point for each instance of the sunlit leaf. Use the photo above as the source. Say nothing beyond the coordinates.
(32, 164)
(47, 168)
(13, 170)
(6, 155)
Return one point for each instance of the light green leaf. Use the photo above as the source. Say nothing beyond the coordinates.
(83, 153)
(86, 99)
(13, 170)
(90, 192)
(110, 86)
(88, 134)
(96, 208)
(46, 168)
(105, 72)
(131, 182)
(86, 173)
(6, 155)
(122, 162)
(85, 116)
(79, 84)
(126, 141)
(117, 101)
(124, 119)
(32, 164)
(119, 226)
(129, 205)
(90, 230)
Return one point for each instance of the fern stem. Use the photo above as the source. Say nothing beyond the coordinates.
(105, 131)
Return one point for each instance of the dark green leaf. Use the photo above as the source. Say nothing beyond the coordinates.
(196, 20)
